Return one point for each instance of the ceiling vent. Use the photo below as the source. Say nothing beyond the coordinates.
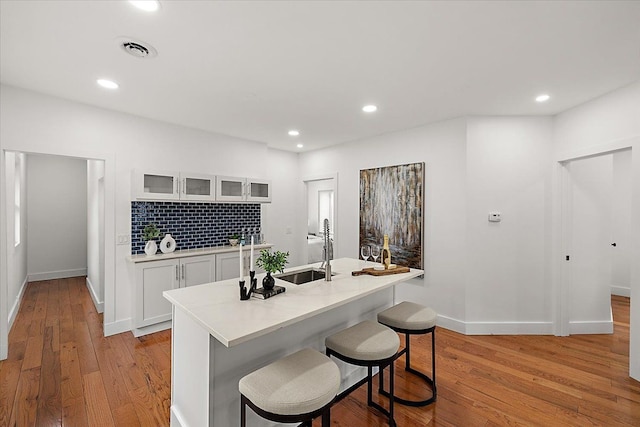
(138, 49)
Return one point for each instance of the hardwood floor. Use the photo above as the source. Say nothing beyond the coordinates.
(62, 371)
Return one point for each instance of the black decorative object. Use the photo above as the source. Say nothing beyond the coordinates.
(244, 294)
(268, 282)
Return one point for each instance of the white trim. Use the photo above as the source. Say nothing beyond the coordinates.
(596, 150)
(177, 420)
(61, 274)
(495, 328)
(622, 291)
(509, 328)
(451, 324)
(4, 274)
(586, 328)
(16, 304)
(118, 327)
(138, 332)
(96, 302)
(334, 226)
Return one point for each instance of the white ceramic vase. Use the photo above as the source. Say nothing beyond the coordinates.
(168, 244)
(151, 247)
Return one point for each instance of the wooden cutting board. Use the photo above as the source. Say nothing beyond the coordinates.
(399, 269)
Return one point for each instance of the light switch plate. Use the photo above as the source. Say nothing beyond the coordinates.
(495, 217)
(123, 239)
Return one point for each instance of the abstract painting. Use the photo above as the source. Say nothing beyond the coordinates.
(392, 202)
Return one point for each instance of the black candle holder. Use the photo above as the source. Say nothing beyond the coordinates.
(244, 294)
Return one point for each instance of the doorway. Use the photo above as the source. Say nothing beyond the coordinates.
(40, 235)
(597, 222)
(321, 204)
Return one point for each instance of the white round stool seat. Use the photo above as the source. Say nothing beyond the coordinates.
(408, 315)
(365, 341)
(300, 383)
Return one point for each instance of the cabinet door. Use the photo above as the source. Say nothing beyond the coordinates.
(197, 270)
(156, 185)
(153, 278)
(227, 265)
(229, 189)
(197, 187)
(258, 191)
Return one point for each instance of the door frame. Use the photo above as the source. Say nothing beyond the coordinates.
(320, 177)
(108, 227)
(561, 231)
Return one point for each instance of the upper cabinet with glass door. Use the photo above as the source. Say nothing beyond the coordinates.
(156, 185)
(232, 189)
(197, 187)
(173, 186)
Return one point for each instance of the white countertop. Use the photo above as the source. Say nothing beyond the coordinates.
(218, 309)
(194, 252)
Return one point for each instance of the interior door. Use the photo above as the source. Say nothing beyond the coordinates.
(591, 216)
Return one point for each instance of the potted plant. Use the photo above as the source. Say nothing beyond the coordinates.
(233, 239)
(149, 233)
(271, 262)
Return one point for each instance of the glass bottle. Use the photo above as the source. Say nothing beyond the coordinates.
(386, 253)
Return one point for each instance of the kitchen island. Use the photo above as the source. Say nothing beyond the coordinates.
(217, 338)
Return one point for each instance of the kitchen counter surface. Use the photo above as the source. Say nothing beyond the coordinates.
(217, 307)
(194, 252)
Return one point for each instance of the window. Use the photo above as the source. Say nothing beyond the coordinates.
(17, 196)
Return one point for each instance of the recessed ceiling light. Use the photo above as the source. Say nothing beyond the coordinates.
(107, 84)
(542, 98)
(369, 108)
(146, 5)
(294, 132)
(299, 145)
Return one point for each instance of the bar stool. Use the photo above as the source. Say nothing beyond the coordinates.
(412, 319)
(367, 344)
(296, 388)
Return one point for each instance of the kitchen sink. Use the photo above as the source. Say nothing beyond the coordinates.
(301, 277)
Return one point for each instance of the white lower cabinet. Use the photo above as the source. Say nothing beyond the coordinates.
(227, 265)
(155, 277)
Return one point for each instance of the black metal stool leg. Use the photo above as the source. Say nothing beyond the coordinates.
(429, 380)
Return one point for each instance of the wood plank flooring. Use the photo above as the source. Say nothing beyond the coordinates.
(61, 371)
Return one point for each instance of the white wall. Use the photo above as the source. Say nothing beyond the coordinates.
(57, 220)
(280, 217)
(36, 123)
(610, 122)
(621, 211)
(95, 232)
(507, 263)
(17, 265)
(442, 147)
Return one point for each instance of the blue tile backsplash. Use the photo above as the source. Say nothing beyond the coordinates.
(192, 225)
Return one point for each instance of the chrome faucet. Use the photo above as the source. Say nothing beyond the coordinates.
(327, 252)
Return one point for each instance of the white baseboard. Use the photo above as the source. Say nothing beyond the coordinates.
(451, 324)
(509, 328)
(591, 327)
(495, 328)
(96, 302)
(62, 274)
(177, 420)
(621, 291)
(118, 327)
(138, 332)
(13, 312)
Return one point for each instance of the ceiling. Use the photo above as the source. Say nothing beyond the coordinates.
(255, 70)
